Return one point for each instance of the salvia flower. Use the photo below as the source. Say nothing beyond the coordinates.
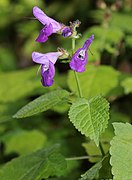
(80, 57)
(67, 31)
(50, 26)
(47, 62)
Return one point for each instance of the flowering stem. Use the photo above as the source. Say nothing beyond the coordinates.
(75, 73)
(80, 95)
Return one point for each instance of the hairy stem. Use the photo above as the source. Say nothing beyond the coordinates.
(83, 157)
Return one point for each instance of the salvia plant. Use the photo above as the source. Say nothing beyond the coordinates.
(89, 114)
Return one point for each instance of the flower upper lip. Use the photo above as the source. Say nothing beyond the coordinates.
(45, 58)
(44, 19)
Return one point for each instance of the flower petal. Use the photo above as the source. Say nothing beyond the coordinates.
(80, 57)
(88, 42)
(40, 58)
(44, 33)
(45, 58)
(53, 56)
(40, 15)
(79, 60)
(47, 76)
(66, 32)
(44, 19)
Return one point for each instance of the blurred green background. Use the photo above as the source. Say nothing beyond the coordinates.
(111, 23)
(109, 20)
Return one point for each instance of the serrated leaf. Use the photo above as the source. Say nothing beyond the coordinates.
(121, 151)
(127, 85)
(105, 171)
(38, 165)
(95, 80)
(43, 103)
(92, 173)
(90, 117)
(27, 141)
(100, 170)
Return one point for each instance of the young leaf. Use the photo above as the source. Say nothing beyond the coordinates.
(95, 80)
(38, 165)
(121, 151)
(43, 103)
(90, 117)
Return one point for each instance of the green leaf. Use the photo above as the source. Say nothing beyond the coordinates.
(121, 20)
(105, 171)
(5, 55)
(90, 117)
(19, 84)
(111, 37)
(27, 141)
(115, 116)
(38, 165)
(95, 80)
(92, 173)
(101, 170)
(43, 103)
(128, 41)
(118, 20)
(7, 110)
(127, 85)
(121, 151)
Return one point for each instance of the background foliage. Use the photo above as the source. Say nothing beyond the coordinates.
(40, 146)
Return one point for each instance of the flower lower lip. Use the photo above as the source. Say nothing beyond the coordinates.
(45, 67)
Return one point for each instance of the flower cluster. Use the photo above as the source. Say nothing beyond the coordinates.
(79, 58)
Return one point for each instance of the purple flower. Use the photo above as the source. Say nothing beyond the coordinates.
(51, 26)
(47, 62)
(80, 57)
(66, 32)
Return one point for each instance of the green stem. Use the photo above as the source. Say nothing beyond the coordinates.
(78, 84)
(82, 157)
(75, 73)
(101, 149)
(73, 45)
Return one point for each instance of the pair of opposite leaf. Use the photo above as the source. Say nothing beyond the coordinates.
(48, 60)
